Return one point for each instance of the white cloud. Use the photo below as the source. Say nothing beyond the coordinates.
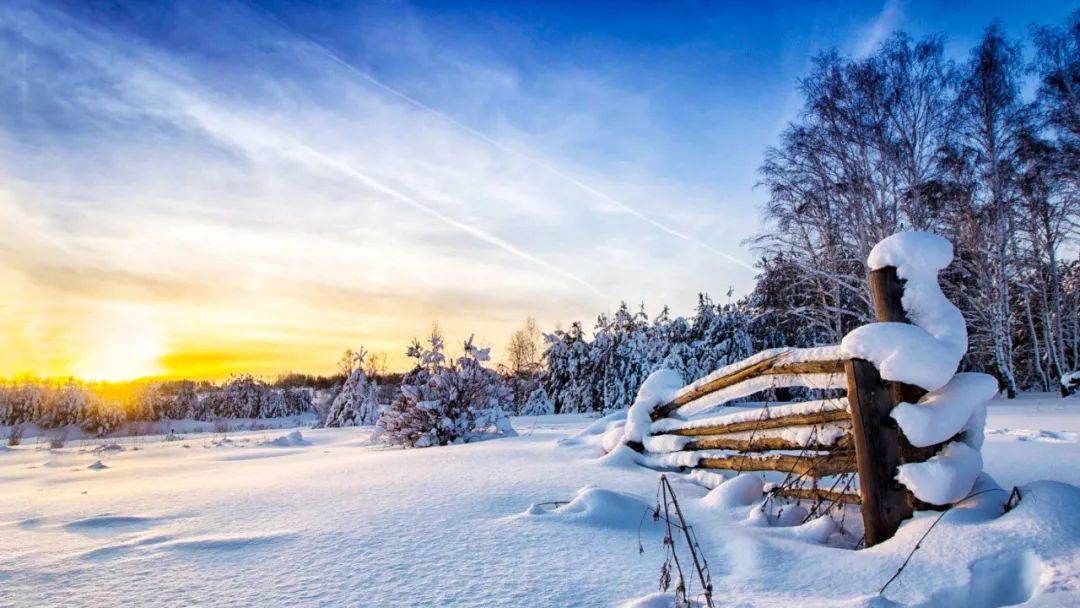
(886, 22)
(295, 174)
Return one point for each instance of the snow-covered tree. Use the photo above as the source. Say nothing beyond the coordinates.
(182, 399)
(298, 400)
(20, 402)
(538, 404)
(62, 405)
(99, 416)
(357, 403)
(240, 397)
(441, 402)
(149, 402)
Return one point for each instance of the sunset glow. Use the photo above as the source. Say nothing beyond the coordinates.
(223, 206)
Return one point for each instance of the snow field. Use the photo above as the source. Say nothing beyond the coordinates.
(335, 521)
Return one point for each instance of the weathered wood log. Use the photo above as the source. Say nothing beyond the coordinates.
(765, 444)
(887, 289)
(877, 449)
(813, 466)
(771, 366)
(819, 495)
(778, 422)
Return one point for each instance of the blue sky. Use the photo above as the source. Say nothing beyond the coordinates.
(217, 186)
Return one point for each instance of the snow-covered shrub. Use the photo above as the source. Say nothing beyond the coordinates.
(148, 402)
(538, 404)
(15, 435)
(20, 402)
(357, 403)
(1069, 383)
(62, 405)
(99, 416)
(444, 402)
(58, 439)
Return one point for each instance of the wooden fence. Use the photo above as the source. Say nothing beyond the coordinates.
(847, 438)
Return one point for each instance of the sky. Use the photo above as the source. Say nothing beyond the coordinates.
(194, 189)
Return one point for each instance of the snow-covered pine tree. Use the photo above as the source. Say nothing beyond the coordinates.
(182, 400)
(356, 404)
(243, 397)
(272, 403)
(568, 379)
(441, 403)
(298, 400)
(538, 404)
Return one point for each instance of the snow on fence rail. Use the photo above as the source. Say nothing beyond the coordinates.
(909, 427)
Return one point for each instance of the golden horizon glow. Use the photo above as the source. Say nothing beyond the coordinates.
(174, 219)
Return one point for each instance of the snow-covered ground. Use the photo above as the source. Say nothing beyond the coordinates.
(325, 519)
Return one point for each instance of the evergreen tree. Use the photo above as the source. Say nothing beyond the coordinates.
(538, 404)
(443, 402)
(357, 403)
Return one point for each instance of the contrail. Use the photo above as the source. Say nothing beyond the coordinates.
(221, 121)
(194, 104)
(489, 238)
(501, 146)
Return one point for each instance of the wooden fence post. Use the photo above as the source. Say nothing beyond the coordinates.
(877, 452)
(887, 290)
(880, 446)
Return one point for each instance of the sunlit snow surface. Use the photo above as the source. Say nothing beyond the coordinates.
(324, 519)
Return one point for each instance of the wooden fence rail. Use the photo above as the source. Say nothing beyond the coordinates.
(863, 438)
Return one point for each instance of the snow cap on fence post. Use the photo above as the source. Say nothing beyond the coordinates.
(927, 353)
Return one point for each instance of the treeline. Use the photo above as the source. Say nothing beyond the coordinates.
(100, 408)
(903, 139)
(603, 372)
(906, 139)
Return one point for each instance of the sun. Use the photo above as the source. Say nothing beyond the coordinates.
(124, 343)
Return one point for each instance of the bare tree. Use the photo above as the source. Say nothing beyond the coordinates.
(991, 117)
(863, 160)
(523, 350)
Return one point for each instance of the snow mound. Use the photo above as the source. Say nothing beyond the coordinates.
(660, 599)
(598, 507)
(597, 428)
(927, 353)
(293, 439)
(659, 388)
(980, 556)
(621, 456)
(815, 532)
(739, 491)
